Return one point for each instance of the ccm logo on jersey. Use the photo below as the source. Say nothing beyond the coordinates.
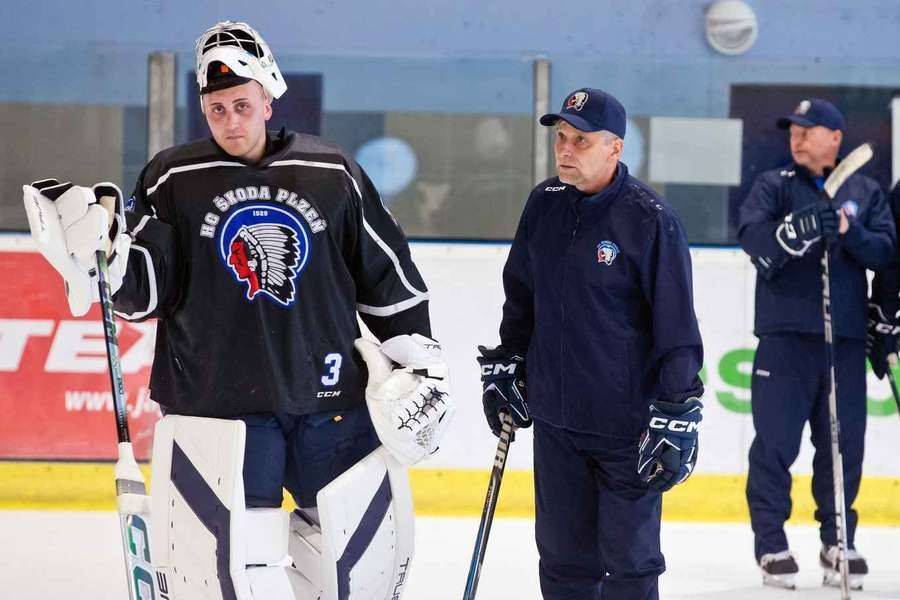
(329, 394)
(674, 425)
(555, 188)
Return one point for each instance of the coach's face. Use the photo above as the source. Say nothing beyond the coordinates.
(237, 119)
(586, 159)
(815, 147)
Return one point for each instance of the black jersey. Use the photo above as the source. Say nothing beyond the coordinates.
(256, 274)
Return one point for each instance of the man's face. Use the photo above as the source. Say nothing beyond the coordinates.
(814, 147)
(584, 159)
(237, 119)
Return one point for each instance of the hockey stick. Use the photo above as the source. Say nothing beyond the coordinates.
(890, 374)
(851, 163)
(131, 492)
(490, 504)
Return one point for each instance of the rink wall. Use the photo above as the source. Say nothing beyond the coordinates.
(57, 436)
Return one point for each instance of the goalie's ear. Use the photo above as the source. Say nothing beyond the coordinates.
(379, 365)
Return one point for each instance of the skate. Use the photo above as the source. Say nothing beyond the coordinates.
(828, 559)
(779, 569)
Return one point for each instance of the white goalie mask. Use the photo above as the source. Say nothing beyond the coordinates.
(241, 49)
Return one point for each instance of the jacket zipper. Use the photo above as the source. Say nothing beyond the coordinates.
(562, 327)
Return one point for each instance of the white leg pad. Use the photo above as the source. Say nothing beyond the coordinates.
(204, 537)
(363, 548)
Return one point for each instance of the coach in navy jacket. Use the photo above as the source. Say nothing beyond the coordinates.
(599, 310)
(783, 223)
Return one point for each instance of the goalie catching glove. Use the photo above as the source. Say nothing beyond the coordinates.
(70, 224)
(410, 405)
(668, 448)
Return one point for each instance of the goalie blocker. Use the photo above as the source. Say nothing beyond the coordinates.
(209, 545)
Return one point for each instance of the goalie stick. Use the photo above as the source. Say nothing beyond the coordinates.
(490, 504)
(133, 504)
(851, 164)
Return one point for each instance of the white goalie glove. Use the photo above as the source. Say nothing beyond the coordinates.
(70, 223)
(410, 405)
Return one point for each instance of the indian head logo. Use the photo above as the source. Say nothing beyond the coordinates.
(607, 252)
(265, 248)
(577, 101)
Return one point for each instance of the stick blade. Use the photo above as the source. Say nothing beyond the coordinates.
(847, 167)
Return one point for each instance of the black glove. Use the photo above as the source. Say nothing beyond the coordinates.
(503, 387)
(668, 449)
(882, 336)
(801, 229)
(768, 267)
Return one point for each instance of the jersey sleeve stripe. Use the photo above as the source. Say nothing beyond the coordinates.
(396, 261)
(381, 243)
(185, 168)
(151, 277)
(141, 224)
(393, 309)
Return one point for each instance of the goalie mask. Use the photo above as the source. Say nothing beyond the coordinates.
(230, 54)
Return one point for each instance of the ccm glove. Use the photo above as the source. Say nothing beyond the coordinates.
(668, 448)
(503, 387)
(801, 229)
(882, 336)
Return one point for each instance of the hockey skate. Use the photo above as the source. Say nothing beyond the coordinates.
(828, 559)
(779, 569)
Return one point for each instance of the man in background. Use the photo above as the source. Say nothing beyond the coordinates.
(784, 226)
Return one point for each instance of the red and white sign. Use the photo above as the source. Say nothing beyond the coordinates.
(55, 398)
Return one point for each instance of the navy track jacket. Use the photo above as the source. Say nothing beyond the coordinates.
(599, 300)
(886, 284)
(791, 302)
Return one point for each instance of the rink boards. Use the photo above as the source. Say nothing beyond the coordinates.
(54, 394)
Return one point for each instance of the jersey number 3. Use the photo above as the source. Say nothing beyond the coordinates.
(333, 364)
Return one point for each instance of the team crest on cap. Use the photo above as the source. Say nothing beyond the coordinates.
(265, 248)
(577, 100)
(803, 107)
(607, 252)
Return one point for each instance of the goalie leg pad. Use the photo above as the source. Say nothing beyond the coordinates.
(205, 538)
(363, 548)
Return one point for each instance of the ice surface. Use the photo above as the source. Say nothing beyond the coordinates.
(78, 556)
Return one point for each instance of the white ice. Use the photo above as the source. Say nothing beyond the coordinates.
(78, 556)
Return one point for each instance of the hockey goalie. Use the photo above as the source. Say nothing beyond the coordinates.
(257, 252)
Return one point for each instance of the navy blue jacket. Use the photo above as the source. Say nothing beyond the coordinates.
(792, 300)
(599, 298)
(886, 284)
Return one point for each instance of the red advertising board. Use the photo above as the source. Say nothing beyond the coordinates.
(55, 398)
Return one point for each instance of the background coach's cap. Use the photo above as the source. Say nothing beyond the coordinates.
(812, 112)
(590, 109)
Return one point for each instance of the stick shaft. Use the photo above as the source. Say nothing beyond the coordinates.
(837, 461)
(143, 581)
(890, 374)
(490, 505)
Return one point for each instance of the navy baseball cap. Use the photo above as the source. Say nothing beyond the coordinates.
(590, 109)
(812, 112)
